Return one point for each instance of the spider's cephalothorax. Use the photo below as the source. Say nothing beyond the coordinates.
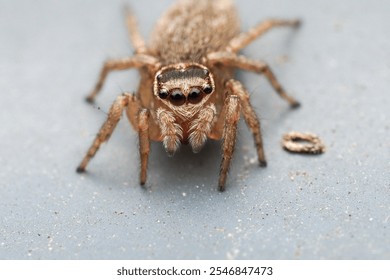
(183, 84)
(184, 90)
(188, 92)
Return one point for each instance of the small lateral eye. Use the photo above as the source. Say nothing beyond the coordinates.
(163, 94)
(208, 89)
(195, 95)
(177, 97)
(159, 77)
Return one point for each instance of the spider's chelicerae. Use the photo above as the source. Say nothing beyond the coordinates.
(188, 92)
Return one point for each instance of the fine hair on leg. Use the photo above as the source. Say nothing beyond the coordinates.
(232, 116)
(245, 38)
(136, 61)
(132, 28)
(144, 142)
(106, 130)
(252, 121)
(241, 62)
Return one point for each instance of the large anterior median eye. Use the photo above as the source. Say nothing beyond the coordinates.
(177, 97)
(195, 95)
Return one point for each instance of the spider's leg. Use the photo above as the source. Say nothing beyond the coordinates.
(250, 117)
(140, 120)
(106, 130)
(134, 34)
(232, 116)
(245, 38)
(144, 142)
(233, 60)
(136, 61)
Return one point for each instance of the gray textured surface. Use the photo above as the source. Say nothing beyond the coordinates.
(333, 206)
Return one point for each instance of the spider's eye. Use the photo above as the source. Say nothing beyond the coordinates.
(208, 89)
(195, 95)
(177, 97)
(163, 94)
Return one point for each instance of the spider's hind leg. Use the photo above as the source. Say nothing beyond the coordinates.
(133, 31)
(245, 38)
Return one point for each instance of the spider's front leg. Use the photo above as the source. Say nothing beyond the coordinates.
(144, 142)
(106, 130)
(250, 117)
(137, 116)
(140, 120)
(232, 115)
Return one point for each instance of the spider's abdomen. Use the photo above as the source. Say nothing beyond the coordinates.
(193, 28)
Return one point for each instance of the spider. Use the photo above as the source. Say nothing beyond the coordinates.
(188, 93)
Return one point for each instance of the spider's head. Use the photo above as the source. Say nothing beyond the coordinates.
(183, 83)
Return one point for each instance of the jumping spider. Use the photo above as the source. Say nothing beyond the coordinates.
(187, 92)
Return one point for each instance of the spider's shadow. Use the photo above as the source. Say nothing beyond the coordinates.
(185, 167)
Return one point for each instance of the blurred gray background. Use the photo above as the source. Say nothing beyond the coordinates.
(332, 206)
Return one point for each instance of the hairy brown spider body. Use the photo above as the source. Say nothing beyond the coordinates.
(187, 92)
